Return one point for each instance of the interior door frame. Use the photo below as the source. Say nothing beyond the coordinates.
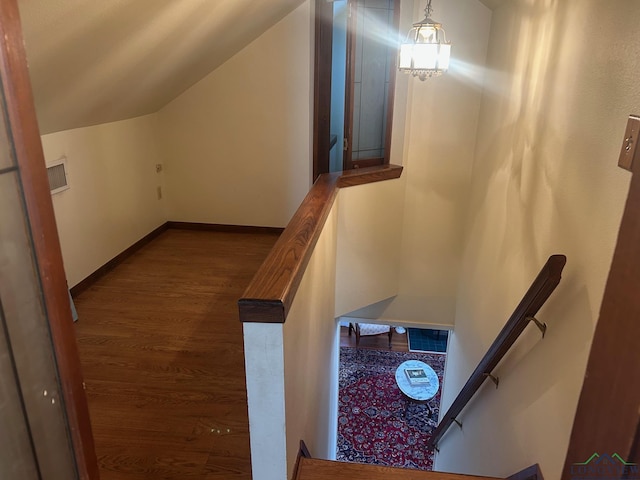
(607, 419)
(46, 245)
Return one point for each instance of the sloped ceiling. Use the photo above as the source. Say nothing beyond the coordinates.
(493, 4)
(96, 61)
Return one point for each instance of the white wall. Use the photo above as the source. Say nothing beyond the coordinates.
(435, 142)
(238, 143)
(545, 181)
(292, 383)
(441, 141)
(235, 147)
(292, 371)
(264, 366)
(311, 339)
(112, 202)
(368, 250)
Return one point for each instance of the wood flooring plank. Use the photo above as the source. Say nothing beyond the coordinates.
(314, 469)
(399, 341)
(161, 350)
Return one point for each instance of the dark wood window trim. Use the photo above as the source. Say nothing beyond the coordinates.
(323, 54)
(348, 162)
(268, 297)
(322, 87)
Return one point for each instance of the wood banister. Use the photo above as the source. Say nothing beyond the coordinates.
(268, 297)
(540, 290)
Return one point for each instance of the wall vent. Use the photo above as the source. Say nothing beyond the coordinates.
(57, 172)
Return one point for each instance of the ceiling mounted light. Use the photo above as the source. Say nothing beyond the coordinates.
(425, 53)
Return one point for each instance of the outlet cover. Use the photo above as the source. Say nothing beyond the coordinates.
(630, 143)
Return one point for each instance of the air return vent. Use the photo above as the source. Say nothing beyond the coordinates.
(57, 171)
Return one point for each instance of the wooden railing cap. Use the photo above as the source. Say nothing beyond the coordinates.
(269, 295)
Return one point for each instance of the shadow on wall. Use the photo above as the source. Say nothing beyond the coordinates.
(512, 155)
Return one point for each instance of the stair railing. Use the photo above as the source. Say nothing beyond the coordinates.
(270, 294)
(540, 290)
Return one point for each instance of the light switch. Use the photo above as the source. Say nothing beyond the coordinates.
(630, 143)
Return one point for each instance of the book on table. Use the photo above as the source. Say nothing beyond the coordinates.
(416, 376)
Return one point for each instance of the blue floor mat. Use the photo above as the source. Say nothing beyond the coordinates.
(427, 340)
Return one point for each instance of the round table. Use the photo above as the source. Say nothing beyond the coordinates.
(418, 393)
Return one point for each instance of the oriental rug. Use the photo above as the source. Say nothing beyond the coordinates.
(377, 423)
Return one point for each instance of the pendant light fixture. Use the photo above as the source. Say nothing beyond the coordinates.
(425, 53)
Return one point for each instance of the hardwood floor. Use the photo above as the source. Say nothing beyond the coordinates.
(162, 356)
(399, 342)
(316, 469)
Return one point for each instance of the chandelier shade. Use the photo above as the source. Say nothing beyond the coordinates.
(425, 53)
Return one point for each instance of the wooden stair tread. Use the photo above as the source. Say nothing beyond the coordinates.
(315, 469)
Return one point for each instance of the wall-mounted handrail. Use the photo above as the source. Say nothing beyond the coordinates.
(269, 295)
(540, 290)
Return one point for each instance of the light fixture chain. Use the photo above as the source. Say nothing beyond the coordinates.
(428, 10)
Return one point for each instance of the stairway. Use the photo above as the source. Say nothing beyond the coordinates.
(315, 469)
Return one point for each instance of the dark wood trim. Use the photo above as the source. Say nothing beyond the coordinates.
(322, 91)
(531, 473)
(367, 162)
(607, 418)
(322, 87)
(303, 452)
(118, 259)
(317, 469)
(268, 297)
(348, 162)
(208, 227)
(538, 293)
(46, 244)
(217, 227)
(349, 89)
(265, 311)
(391, 95)
(361, 176)
(8, 169)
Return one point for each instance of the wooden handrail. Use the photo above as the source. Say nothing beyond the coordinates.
(540, 290)
(269, 295)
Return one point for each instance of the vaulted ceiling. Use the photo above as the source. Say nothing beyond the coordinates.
(493, 4)
(96, 61)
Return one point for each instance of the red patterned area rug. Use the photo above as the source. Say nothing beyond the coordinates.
(377, 424)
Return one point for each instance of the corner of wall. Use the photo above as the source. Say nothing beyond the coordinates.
(536, 192)
(440, 137)
(112, 200)
(238, 143)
